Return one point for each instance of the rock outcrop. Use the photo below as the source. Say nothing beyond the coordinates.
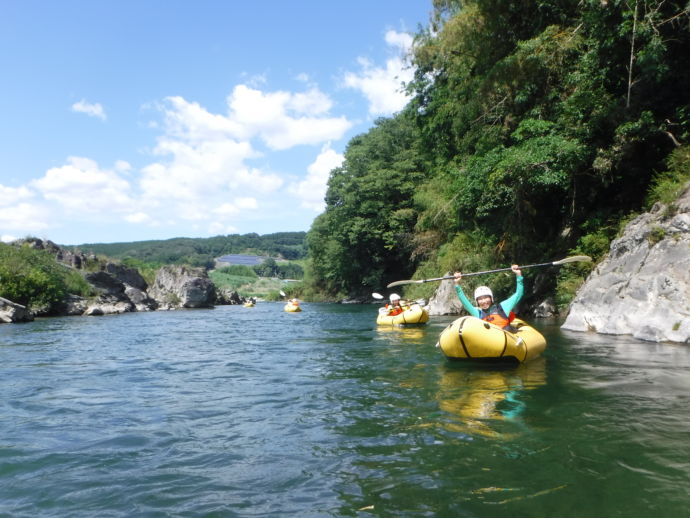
(182, 287)
(74, 259)
(228, 297)
(445, 301)
(642, 287)
(120, 289)
(13, 312)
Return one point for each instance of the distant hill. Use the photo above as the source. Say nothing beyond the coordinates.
(203, 251)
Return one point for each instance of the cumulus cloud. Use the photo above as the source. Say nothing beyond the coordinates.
(216, 228)
(204, 156)
(25, 218)
(138, 217)
(383, 87)
(312, 190)
(201, 170)
(237, 206)
(282, 119)
(82, 186)
(90, 109)
(11, 195)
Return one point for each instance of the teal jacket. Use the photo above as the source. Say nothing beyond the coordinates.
(507, 304)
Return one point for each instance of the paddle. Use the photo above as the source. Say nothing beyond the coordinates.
(282, 293)
(573, 259)
(377, 296)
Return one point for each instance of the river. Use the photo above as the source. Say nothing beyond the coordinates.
(238, 411)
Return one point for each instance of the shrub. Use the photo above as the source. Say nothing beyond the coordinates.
(667, 186)
(31, 277)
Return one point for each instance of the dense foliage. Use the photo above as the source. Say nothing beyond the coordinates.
(34, 279)
(203, 251)
(535, 128)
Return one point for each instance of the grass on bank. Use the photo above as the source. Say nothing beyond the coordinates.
(245, 281)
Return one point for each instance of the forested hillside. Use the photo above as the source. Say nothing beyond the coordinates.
(535, 129)
(202, 251)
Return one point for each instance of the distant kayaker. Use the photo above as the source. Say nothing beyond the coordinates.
(498, 314)
(394, 308)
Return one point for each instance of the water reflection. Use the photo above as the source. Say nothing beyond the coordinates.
(476, 400)
(401, 334)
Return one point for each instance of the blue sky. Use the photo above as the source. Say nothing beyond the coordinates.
(133, 120)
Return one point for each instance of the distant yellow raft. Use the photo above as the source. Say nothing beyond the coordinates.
(415, 314)
(248, 304)
(292, 308)
(472, 339)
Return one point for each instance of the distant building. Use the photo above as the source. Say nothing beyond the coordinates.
(247, 260)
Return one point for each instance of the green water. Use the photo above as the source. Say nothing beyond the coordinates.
(257, 412)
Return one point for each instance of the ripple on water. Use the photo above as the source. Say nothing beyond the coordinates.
(259, 412)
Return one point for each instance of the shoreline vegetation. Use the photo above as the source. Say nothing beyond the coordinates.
(40, 278)
(541, 143)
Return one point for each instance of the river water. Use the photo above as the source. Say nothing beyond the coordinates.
(256, 412)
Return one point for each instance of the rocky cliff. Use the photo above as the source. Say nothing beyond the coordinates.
(445, 301)
(642, 287)
(119, 289)
(182, 287)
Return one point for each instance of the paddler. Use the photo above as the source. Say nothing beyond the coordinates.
(500, 314)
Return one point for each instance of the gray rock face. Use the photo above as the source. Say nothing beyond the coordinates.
(116, 294)
(128, 276)
(182, 287)
(643, 287)
(228, 297)
(445, 301)
(13, 312)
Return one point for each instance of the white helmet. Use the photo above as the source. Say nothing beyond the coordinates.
(482, 291)
(394, 297)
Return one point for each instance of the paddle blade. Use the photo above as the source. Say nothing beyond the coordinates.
(282, 293)
(400, 283)
(574, 259)
(377, 295)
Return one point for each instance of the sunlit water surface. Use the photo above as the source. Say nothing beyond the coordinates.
(256, 412)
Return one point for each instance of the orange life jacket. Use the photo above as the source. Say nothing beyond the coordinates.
(497, 316)
(394, 310)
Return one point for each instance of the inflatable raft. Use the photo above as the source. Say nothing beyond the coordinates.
(415, 314)
(248, 304)
(292, 308)
(472, 339)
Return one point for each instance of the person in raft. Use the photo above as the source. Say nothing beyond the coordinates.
(500, 314)
(394, 308)
(294, 302)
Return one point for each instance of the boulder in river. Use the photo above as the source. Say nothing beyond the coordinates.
(182, 287)
(13, 312)
(642, 287)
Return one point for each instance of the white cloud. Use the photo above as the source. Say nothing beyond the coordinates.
(383, 87)
(228, 211)
(11, 195)
(216, 228)
(25, 218)
(204, 156)
(90, 109)
(236, 207)
(208, 168)
(138, 217)
(82, 187)
(122, 166)
(191, 122)
(312, 190)
(401, 40)
(6, 238)
(283, 119)
(201, 172)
